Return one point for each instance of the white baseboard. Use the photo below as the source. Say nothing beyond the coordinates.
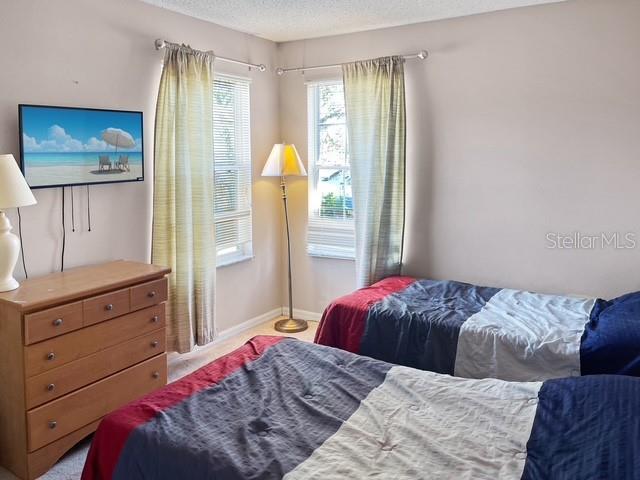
(303, 314)
(247, 325)
(244, 326)
(265, 317)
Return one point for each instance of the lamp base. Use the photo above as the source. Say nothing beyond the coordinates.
(9, 285)
(9, 251)
(291, 325)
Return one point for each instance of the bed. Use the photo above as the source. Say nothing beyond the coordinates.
(479, 332)
(283, 408)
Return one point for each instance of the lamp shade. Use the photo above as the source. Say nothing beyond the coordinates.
(284, 161)
(14, 191)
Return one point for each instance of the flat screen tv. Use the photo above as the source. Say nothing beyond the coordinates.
(64, 146)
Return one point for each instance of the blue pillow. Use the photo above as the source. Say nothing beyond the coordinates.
(611, 340)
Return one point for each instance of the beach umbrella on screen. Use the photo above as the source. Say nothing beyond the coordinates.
(118, 138)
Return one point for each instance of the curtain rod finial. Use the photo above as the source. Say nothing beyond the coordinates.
(423, 54)
(159, 43)
(262, 67)
(280, 71)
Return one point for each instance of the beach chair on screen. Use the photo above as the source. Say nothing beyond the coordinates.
(123, 163)
(104, 162)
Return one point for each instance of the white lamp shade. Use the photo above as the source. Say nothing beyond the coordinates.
(284, 161)
(14, 191)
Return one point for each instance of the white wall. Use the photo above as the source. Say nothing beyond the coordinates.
(520, 123)
(100, 54)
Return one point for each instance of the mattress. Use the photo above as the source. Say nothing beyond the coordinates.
(479, 332)
(283, 408)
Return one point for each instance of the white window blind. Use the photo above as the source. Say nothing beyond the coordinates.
(232, 157)
(331, 227)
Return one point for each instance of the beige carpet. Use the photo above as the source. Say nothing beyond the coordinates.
(70, 466)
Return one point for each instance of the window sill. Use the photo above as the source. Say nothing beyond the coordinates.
(331, 256)
(227, 262)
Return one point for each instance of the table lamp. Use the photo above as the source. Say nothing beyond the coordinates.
(283, 162)
(14, 192)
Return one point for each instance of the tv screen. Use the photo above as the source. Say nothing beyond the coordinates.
(63, 146)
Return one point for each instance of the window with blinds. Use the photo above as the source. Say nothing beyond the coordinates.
(331, 227)
(232, 158)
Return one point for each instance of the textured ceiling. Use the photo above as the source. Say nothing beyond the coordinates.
(284, 20)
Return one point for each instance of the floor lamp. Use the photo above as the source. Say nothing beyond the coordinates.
(284, 162)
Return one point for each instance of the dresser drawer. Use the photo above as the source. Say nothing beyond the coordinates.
(104, 307)
(62, 416)
(148, 294)
(74, 375)
(58, 351)
(52, 322)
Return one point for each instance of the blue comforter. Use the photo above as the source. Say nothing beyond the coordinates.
(479, 332)
(282, 408)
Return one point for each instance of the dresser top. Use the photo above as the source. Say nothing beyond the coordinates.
(43, 292)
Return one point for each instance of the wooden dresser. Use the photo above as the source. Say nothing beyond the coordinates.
(73, 347)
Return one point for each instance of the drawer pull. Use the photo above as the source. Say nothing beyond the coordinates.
(52, 424)
(109, 307)
(154, 344)
(155, 375)
(51, 356)
(155, 319)
(57, 322)
(50, 387)
(151, 294)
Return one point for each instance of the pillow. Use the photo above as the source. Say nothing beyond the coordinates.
(611, 340)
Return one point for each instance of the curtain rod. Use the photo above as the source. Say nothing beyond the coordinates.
(160, 44)
(422, 54)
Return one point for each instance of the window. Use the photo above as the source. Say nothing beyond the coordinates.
(232, 167)
(331, 227)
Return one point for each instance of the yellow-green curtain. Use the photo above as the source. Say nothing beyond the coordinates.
(376, 130)
(183, 223)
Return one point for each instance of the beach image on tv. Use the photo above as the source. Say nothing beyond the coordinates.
(68, 146)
